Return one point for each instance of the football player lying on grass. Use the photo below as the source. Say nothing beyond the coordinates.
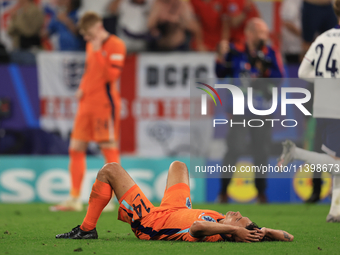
(173, 219)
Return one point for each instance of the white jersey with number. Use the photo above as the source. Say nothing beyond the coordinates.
(322, 65)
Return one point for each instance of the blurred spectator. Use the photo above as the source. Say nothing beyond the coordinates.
(291, 30)
(317, 17)
(25, 25)
(106, 9)
(211, 17)
(110, 20)
(102, 7)
(168, 22)
(133, 22)
(64, 24)
(240, 12)
(252, 59)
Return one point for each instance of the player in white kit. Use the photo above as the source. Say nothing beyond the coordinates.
(321, 65)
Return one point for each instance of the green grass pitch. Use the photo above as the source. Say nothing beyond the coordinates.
(30, 229)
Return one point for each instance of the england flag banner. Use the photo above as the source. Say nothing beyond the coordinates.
(162, 108)
(59, 77)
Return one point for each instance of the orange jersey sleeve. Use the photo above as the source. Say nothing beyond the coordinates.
(102, 70)
(111, 59)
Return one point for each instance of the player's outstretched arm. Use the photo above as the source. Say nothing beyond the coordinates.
(206, 228)
(306, 70)
(275, 235)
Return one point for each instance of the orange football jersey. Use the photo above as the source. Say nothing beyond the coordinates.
(102, 70)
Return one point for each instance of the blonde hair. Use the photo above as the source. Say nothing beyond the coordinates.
(88, 20)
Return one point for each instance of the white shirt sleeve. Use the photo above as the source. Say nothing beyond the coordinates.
(306, 70)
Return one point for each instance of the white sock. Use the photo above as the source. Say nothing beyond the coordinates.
(315, 158)
(335, 205)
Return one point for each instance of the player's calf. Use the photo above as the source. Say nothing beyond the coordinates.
(116, 176)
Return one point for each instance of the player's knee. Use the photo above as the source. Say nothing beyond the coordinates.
(75, 149)
(74, 152)
(108, 145)
(178, 166)
(110, 170)
(79, 146)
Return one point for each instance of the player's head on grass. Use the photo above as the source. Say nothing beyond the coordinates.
(91, 26)
(236, 219)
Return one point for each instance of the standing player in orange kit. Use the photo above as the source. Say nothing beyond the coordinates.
(98, 113)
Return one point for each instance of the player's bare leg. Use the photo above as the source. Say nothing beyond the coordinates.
(110, 152)
(178, 173)
(111, 177)
(77, 167)
(116, 176)
(108, 145)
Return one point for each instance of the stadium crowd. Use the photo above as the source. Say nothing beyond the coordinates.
(161, 25)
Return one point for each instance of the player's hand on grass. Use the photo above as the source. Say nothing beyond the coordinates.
(245, 235)
(79, 94)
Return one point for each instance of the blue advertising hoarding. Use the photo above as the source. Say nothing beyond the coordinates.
(26, 179)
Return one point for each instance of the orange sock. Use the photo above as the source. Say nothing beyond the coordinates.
(77, 169)
(99, 198)
(111, 155)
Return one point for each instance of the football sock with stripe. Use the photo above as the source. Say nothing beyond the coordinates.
(100, 196)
